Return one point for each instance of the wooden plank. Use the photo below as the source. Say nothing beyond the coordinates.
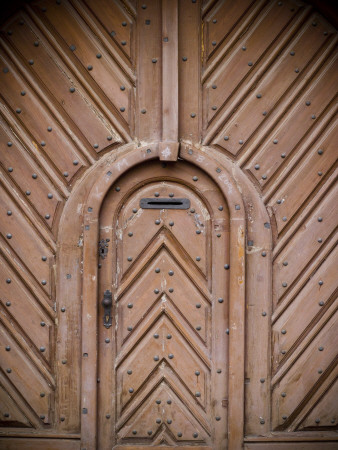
(170, 71)
(149, 69)
(38, 444)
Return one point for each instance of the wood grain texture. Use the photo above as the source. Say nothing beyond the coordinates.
(252, 83)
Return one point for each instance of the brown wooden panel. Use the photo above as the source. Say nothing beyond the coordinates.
(314, 361)
(307, 242)
(274, 84)
(39, 444)
(84, 46)
(164, 310)
(43, 62)
(291, 445)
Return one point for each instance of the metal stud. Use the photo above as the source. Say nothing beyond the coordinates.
(198, 258)
(8, 349)
(8, 236)
(130, 305)
(72, 89)
(156, 291)
(227, 266)
(263, 313)
(131, 390)
(8, 281)
(320, 348)
(158, 421)
(250, 63)
(184, 58)
(179, 434)
(263, 254)
(198, 328)
(156, 335)
(158, 402)
(42, 349)
(220, 300)
(283, 394)
(171, 223)
(171, 273)
(169, 336)
(43, 324)
(170, 356)
(169, 421)
(134, 432)
(193, 115)
(157, 221)
(197, 394)
(149, 432)
(157, 270)
(284, 284)
(198, 231)
(195, 435)
(129, 328)
(226, 138)
(63, 309)
(171, 290)
(198, 305)
(262, 380)
(320, 151)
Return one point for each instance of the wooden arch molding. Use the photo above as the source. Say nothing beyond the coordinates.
(77, 280)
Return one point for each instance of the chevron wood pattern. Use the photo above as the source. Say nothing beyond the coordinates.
(257, 86)
(167, 281)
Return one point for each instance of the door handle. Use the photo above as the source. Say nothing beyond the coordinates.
(107, 304)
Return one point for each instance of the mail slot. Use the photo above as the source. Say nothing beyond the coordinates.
(165, 203)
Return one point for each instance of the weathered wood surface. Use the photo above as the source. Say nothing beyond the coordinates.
(257, 87)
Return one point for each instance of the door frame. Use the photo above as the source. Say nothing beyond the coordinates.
(77, 284)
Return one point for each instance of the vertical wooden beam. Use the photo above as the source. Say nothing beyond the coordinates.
(169, 145)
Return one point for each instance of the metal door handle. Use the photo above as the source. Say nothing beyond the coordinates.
(107, 304)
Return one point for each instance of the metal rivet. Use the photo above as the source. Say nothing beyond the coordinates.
(262, 421)
(31, 62)
(184, 58)
(171, 223)
(157, 270)
(321, 303)
(195, 178)
(263, 313)
(179, 434)
(9, 370)
(156, 291)
(320, 283)
(169, 336)
(18, 110)
(262, 380)
(143, 111)
(284, 284)
(156, 335)
(72, 89)
(259, 95)
(192, 115)
(250, 63)
(241, 141)
(283, 352)
(320, 240)
(317, 420)
(129, 328)
(275, 141)
(154, 60)
(158, 402)
(320, 349)
(8, 303)
(63, 309)
(285, 263)
(149, 432)
(171, 273)
(195, 435)
(122, 109)
(220, 208)
(264, 177)
(198, 231)
(284, 417)
(47, 216)
(8, 236)
(131, 390)
(257, 166)
(197, 394)
(130, 305)
(129, 258)
(320, 151)
(227, 331)
(292, 53)
(169, 421)
(8, 349)
(226, 138)
(237, 207)
(43, 324)
(171, 290)
(8, 281)
(283, 394)
(218, 418)
(169, 402)
(227, 266)
(214, 108)
(198, 258)
(171, 194)
(263, 254)
(220, 300)
(64, 361)
(158, 420)
(197, 373)
(297, 70)
(313, 116)
(198, 328)
(28, 192)
(109, 138)
(170, 356)
(284, 219)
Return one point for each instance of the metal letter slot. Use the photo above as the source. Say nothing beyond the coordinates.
(107, 304)
(165, 203)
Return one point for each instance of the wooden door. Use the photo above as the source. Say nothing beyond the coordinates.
(163, 362)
